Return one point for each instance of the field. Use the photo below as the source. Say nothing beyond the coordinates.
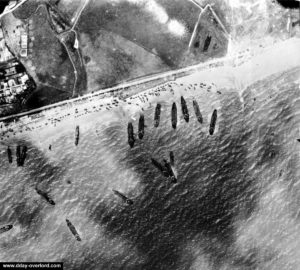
(164, 28)
(49, 56)
(111, 59)
(27, 9)
(42, 95)
(116, 36)
(70, 7)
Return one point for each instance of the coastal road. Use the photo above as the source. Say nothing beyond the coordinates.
(162, 77)
(239, 67)
(14, 8)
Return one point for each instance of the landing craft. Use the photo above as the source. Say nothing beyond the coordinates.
(9, 155)
(170, 171)
(197, 112)
(23, 155)
(185, 110)
(213, 121)
(76, 135)
(73, 230)
(157, 115)
(172, 158)
(18, 154)
(45, 196)
(168, 167)
(141, 126)
(131, 139)
(123, 197)
(174, 115)
(5, 228)
(161, 168)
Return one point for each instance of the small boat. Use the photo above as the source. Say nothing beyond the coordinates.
(123, 197)
(45, 196)
(141, 126)
(157, 115)
(73, 230)
(213, 122)
(174, 115)
(131, 139)
(197, 112)
(5, 228)
(76, 135)
(185, 110)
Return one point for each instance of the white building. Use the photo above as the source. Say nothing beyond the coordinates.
(24, 44)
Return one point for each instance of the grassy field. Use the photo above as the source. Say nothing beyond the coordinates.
(164, 28)
(111, 59)
(49, 56)
(42, 95)
(70, 7)
(27, 9)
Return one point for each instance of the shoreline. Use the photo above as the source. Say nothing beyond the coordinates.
(222, 78)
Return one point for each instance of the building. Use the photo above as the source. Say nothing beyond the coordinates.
(24, 44)
(14, 81)
(10, 71)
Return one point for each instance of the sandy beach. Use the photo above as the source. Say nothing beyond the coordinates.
(45, 126)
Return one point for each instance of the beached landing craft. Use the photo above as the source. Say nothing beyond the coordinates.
(9, 155)
(123, 197)
(130, 132)
(141, 126)
(174, 115)
(197, 112)
(185, 110)
(213, 122)
(18, 154)
(21, 155)
(45, 196)
(76, 135)
(157, 115)
(5, 228)
(73, 230)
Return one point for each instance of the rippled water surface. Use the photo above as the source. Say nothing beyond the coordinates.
(237, 190)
